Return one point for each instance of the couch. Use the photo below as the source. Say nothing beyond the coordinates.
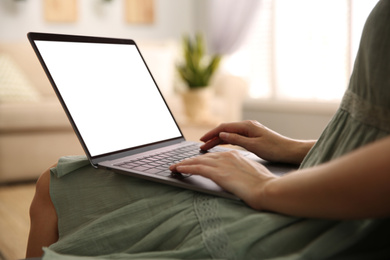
(34, 130)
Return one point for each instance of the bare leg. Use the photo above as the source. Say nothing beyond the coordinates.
(43, 218)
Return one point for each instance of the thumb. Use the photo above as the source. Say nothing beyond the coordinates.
(234, 139)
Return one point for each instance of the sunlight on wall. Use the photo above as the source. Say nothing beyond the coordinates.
(301, 50)
(311, 49)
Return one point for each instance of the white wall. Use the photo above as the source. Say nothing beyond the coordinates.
(97, 17)
(293, 119)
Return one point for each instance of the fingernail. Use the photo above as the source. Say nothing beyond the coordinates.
(223, 135)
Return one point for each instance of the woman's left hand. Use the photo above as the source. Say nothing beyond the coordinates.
(233, 172)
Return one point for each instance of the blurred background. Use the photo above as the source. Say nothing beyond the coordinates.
(284, 63)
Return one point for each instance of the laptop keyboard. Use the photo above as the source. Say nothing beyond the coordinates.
(159, 163)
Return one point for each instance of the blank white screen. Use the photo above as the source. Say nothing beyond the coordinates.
(109, 93)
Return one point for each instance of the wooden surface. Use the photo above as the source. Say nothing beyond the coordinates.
(15, 202)
(139, 11)
(60, 11)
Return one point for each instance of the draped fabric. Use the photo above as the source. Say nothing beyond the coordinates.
(228, 23)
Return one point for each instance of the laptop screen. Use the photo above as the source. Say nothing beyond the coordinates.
(109, 93)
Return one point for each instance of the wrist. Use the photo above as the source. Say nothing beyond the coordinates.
(296, 150)
(266, 193)
(260, 194)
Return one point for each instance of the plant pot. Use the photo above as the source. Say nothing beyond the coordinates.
(197, 104)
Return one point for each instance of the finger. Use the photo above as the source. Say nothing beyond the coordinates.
(211, 143)
(210, 135)
(206, 159)
(188, 161)
(194, 167)
(224, 138)
(197, 169)
(235, 127)
(234, 139)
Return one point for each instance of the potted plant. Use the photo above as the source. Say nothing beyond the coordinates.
(197, 71)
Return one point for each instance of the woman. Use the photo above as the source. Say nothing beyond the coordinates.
(335, 206)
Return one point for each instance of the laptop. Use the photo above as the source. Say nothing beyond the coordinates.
(117, 110)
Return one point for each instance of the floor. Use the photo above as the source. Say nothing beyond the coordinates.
(15, 201)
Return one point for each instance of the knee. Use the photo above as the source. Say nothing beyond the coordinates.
(41, 203)
(43, 218)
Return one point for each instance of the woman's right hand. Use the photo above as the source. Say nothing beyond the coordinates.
(259, 140)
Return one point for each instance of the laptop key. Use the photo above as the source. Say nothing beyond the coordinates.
(140, 168)
(165, 173)
(147, 166)
(153, 171)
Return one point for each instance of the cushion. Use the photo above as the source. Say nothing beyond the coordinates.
(14, 85)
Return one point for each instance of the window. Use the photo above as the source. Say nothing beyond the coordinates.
(302, 49)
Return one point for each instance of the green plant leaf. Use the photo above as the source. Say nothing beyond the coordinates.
(197, 71)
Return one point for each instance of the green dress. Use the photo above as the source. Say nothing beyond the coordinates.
(106, 215)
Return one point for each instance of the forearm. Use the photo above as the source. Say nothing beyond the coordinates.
(353, 186)
(293, 151)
